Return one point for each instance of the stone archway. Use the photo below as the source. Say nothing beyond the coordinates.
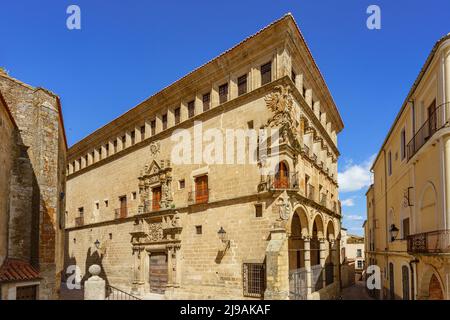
(297, 231)
(434, 289)
(430, 287)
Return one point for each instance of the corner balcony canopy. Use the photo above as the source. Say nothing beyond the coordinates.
(430, 242)
(437, 119)
(287, 181)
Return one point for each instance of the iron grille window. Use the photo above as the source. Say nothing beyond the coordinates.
(153, 127)
(223, 93)
(191, 109)
(206, 101)
(177, 115)
(164, 121)
(254, 279)
(266, 73)
(242, 85)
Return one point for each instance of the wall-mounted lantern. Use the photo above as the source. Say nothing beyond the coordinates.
(223, 238)
(394, 232)
(97, 244)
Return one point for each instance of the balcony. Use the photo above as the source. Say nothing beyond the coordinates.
(430, 242)
(121, 213)
(198, 196)
(288, 182)
(434, 123)
(79, 221)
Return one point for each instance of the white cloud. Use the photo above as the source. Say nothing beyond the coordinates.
(355, 176)
(348, 202)
(353, 217)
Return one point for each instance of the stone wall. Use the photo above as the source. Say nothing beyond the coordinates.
(37, 179)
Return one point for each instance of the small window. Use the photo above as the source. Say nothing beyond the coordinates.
(223, 93)
(115, 146)
(124, 139)
(250, 124)
(358, 253)
(106, 203)
(177, 113)
(142, 132)
(266, 73)
(242, 85)
(403, 144)
(198, 229)
(182, 184)
(164, 121)
(191, 109)
(97, 205)
(254, 279)
(110, 236)
(86, 160)
(405, 227)
(360, 264)
(81, 211)
(206, 101)
(389, 163)
(134, 195)
(107, 149)
(258, 210)
(153, 127)
(133, 137)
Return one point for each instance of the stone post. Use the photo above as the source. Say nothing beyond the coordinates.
(94, 287)
(334, 260)
(307, 245)
(322, 260)
(277, 266)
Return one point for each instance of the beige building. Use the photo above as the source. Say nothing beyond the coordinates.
(408, 205)
(352, 249)
(199, 229)
(32, 182)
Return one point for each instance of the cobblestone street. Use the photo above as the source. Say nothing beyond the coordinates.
(356, 292)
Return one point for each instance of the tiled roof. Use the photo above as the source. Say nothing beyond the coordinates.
(14, 270)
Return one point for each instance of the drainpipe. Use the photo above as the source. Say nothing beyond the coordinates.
(413, 267)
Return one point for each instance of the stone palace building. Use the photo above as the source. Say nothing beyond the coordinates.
(228, 230)
(408, 206)
(32, 191)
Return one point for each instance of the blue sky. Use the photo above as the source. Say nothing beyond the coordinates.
(127, 51)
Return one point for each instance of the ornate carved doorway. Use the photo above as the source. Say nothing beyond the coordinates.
(158, 272)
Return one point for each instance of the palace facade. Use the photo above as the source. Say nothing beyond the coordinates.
(199, 229)
(408, 205)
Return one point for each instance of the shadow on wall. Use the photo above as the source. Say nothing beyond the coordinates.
(94, 258)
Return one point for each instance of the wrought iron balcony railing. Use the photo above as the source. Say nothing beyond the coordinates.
(288, 182)
(430, 242)
(436, 121)
(79, 221)
(198, 196)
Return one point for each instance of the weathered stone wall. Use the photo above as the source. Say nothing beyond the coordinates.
(7, 153)
(37, 179)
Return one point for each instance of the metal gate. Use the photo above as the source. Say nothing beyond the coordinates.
(297, 284)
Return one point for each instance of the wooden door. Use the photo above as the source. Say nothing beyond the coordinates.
(26, 293)
(432, 118)
(201, 189)
(156, 198)
(158, 272)
(123, 207)
(282, 176)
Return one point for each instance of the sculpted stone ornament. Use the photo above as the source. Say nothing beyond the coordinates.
(284, 208)
(154, 148)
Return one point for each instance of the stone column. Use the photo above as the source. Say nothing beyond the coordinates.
(138, 278)
(307, 246)
(334, 260)
(94, 287)
(322, 260)
(277, 266)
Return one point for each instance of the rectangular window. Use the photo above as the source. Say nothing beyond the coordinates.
(164, 121)
(223, 93)
(97, 205)
(124, 139)
(134, 195)
(358, 253)
(242, 85)
(86, 160)
(250, 125)
(191, 109)
(258, 210)
(142, 132)
(182, 184)
(156, 198)
(115, 146)
(360, 264)
(198, 229)
(177, 113)
(107, 149)
(133, 137)
(93, 156)
(153, 127)
(201, 189)
(254, 279)
(106, 203)
(405, 227)
(389, 163)
(403, 144)
(206, 101)
(266, 73)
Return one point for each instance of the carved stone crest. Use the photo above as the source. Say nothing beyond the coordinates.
(284, 208)
(154, 148)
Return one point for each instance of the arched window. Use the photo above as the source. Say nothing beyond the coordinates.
(405, 281)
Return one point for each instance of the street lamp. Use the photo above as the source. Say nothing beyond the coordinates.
(394, 232)
(222, 234)
(97, 244)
